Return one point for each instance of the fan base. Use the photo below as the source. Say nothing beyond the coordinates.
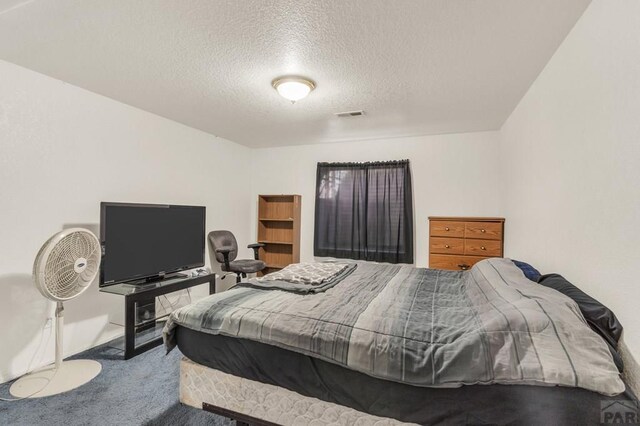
(47, 381)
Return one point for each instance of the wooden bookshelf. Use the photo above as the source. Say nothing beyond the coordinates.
(279, 229)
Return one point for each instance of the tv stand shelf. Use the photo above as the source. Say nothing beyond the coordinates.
(142, 293)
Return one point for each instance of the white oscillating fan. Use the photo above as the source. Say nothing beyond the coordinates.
(64, 268)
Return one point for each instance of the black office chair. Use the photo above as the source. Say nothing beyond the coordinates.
(225, 247)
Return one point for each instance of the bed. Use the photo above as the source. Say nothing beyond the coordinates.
(361, 343)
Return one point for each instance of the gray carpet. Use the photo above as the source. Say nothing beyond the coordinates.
(140, 391)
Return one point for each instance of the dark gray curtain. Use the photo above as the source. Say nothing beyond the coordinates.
(364, 211)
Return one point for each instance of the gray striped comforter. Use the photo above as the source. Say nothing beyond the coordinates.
(424, 327)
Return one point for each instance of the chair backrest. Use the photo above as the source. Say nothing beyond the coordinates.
(219, 239)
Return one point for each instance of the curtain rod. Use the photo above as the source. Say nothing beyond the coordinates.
(364, 163)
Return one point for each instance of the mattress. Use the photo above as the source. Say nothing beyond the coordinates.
(200, 384)
(305, 376)
(421, 327)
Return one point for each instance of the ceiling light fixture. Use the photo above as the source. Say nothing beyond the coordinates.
(293, 88)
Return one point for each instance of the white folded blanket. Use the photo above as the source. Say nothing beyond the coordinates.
(314, 273)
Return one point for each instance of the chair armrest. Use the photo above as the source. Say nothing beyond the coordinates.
(225, 253)
(256, 249)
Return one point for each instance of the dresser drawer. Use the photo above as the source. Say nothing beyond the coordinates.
(447, 229)
(483, 247)
(453, 262)
(445, 245)
(483, 230)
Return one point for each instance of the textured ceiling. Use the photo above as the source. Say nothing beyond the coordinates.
(415, 66)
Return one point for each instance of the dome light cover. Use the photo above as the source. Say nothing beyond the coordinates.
(293, 88)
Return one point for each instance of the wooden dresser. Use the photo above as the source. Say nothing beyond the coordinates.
(457, 243)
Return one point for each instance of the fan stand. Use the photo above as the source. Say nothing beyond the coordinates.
(60, 377)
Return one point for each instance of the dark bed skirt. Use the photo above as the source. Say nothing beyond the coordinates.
(478, 404)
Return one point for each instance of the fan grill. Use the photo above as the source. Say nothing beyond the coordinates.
(61, 279)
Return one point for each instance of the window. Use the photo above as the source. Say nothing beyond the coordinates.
(364, 211)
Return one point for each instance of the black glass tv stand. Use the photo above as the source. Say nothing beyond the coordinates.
(143, 333)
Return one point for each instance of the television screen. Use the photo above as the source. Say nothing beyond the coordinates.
(146, 240)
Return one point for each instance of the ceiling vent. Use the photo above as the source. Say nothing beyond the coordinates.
(357, 113)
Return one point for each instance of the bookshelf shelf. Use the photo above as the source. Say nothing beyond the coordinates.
(274, 266)
(287, 243)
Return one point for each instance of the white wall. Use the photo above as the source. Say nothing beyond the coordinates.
(62, 151)
(571, 151)
(455, 174)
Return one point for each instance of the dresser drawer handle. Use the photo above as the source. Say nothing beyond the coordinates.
(463, 266)
(483, 248)
(483, 231)
(446, 228)
(446, 246)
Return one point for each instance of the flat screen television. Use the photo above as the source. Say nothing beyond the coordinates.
(141, 242)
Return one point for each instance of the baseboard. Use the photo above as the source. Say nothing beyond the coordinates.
(631, 367)
(49, 360)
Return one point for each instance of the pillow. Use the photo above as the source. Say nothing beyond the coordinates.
(529, 271)
(600, 318)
